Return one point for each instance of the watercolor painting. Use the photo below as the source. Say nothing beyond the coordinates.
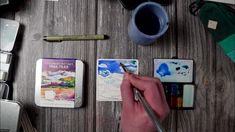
(110, 75)
(173, 70)
(58, 81)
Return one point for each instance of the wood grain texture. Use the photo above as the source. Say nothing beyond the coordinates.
(185, 38)
(31, 19)
(225, 93)
(164, 47)
(196, 43)
(64, 17)
(112, 20)
(74, 17)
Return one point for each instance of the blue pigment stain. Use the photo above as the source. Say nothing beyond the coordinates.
(185, 66)
(113, 66)
(174, 62)
(163, 70)
(177, 68)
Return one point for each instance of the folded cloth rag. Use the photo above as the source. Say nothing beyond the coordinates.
(219, 19)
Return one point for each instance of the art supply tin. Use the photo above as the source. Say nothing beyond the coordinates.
(59, 83)
(8, 33)
(10, 115)
(4, 2)
(177, 76)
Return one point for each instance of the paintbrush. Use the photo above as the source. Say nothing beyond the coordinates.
(146, 106)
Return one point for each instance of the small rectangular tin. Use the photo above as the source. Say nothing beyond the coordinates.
(59, 83)
(4, 2)
(10, 115)
(8, 33)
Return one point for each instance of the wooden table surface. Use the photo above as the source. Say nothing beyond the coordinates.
(186, 38)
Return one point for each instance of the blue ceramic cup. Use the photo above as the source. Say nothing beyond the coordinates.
(149, 21)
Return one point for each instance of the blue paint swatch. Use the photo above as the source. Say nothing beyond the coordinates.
(163, 70)
(173, 70)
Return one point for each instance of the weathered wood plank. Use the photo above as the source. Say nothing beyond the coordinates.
(30, 16)
(164, 47)
(75, 17)
(186, 38)
(64, 17)
(112, 20)
(225, 93)
(195, 43)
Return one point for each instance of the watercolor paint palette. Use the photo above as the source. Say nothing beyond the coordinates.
(179, 96)
(59, 83)
(109, 75)
(8, 33)
(177, 77)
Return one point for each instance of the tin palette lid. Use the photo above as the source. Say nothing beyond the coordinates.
(4, 2)
(10, 115)
(8, 32)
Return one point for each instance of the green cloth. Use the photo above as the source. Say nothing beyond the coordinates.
(223, 30)
(228, 44)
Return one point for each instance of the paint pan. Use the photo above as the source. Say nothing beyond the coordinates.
(4, 91)
(4, 72)
(5, 57)
(188, 95)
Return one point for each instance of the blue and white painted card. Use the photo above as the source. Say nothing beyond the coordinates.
(109, 77)
(173, 70)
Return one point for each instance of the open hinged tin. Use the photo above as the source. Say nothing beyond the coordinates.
(8, 33)
(10, 115)
(177, 77)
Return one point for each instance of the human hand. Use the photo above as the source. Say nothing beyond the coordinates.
(133, 117)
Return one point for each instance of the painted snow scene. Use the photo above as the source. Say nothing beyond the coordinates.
(173, 70)
(110, 75)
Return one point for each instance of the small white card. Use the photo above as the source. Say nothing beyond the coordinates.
(173, 70)
(212, 24)
(50, 95)
(109, 77)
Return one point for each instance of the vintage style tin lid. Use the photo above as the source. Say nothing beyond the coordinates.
(10, 115)
(4, 2)
(8, 32)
